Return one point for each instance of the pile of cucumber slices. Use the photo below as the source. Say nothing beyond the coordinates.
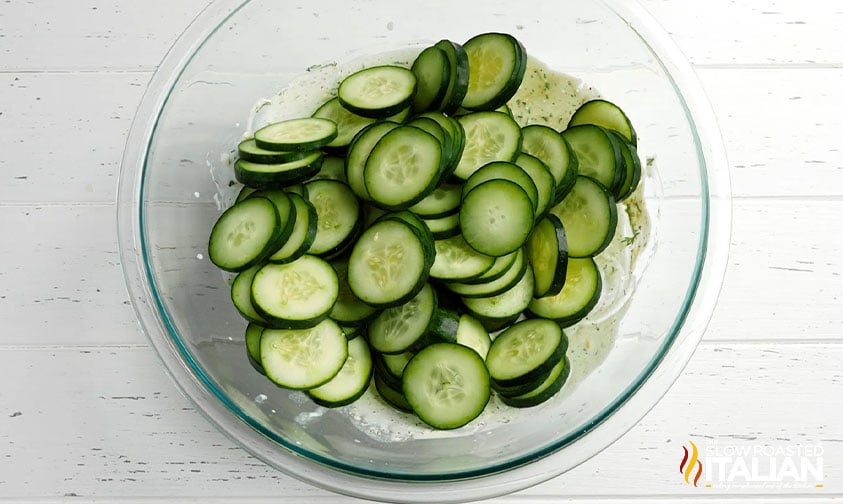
(386, 236)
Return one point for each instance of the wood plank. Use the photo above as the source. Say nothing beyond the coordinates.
(747, 32)
(774, 260)
(64, 134)
(116, 427)
(780, 128)
(90, 34)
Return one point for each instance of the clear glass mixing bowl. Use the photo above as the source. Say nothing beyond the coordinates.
(195, 110)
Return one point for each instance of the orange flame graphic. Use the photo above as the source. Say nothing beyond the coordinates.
(686, 467)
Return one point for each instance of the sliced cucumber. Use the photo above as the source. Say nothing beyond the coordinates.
(433, 74)
(500, 268)
(458, 82)
(253, 345)
(542, 179)
(633, 168)
(358, 152)
(393, 396)
(442, 202)
(333, 168)
(349, 311)
(303, 134)
(303, 358)
(471, 333)
(244, 235)
(547, 253)
(388, 264)
(577, 298)
(403, 167)
(302, 235)
(447, 385)
(350, 382)
(403, 328)
(590, 216)
(598, 155)
(503, 170)
(244, 193)
(295, 295)
(444, 227)
(545, 390)
(285, 208)
(249, 151)
(261, 175)
(457, 261)
(338, 215)
(502, 283)
(496, 217)
(378, 91)
(489, 136)
(525, 351)
(547, 145)
(348, 123)
(241, 295)
(606, 114)
(496, 66)
(507, 304)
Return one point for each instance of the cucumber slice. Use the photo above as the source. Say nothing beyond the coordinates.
(542, 179)
(244, 235)
(433, 74)
(589, 215)
(303, 359)
(302, 235)
(378, 92)
(393, 396)
(338, 215)
(442, 202)
(244, 193)
(598, 155)
(458, 82)
(394, 364)
(525, 351)
(633, 168)
(285, 208)
(507, 304)
(457, 261)
(350, 382)
(545, 390)
(358, 152)
(249, 151)
(420, 226)
(496, 217)
(444, 227)
(303, 134)
(499, 269)
(295, 295)
(489, 136)
(404, 327)
(241, 295)
(403, 167)
(496, 66)
(444, 138)
(547, 145)
(253, 345)
(261, 175)
(388, 264)
(577, 298)
(348, 123)
(502, 283)
(447, 385)
(503, 170)
(333, 168)
(349, 311)
(472, 334)
(547, 253)
(606, 114)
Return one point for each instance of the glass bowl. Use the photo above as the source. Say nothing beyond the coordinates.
(174, 184)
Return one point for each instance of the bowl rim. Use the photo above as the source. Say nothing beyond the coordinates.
(638, 398)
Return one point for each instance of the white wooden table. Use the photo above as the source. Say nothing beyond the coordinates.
(87, 412)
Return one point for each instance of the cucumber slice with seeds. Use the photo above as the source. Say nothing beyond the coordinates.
(302, 359)
(433, 74)
(589, 215)
(542, 179)
(350, 382)
(295, 295)
(402, 328)
(489, 136)
(447, 385)
(507, 304)
(338, 215)
(525, 351)
(302, 235)
(348, 123)
(457, 261)
(503, 170)
(496, 66)
(303, 134)
(443, 201)
(598, 155)
(244, 235)
(496, 217)
(547, 253)
(378, 91)
(606, 114)
(577, 298)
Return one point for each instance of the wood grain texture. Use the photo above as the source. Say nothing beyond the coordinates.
(90, 34)
(747, 32)
(117, 427)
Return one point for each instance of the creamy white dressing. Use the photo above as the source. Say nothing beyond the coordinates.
(545, 97)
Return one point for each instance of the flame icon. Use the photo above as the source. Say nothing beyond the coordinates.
(686, 467)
